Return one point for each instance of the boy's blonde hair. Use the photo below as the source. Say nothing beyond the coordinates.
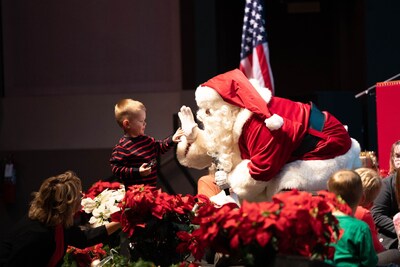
(371, 182)
(348, 185)
(126, 109)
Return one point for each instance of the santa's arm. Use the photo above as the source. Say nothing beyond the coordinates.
(193, 153)
(264, 153)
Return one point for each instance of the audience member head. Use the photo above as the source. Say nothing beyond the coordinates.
(57, 200)
(372, 184)
(128, 111)
(369, 160)
(394, 162)
(348, 185)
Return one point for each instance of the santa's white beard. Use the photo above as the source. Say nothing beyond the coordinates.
(218, 129)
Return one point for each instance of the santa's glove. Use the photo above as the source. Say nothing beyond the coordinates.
(187, 123)
(221, 179)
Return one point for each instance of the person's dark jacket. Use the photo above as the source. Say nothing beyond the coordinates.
(31, 243)
(384, 208)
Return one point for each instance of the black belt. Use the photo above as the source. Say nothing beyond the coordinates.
(309, 142)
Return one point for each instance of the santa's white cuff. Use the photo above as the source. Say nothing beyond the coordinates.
(244, 185)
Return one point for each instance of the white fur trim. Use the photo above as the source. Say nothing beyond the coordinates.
(264, 92)
(274, 122)
(244, 185)
(241, 119)
(312, 175)
(221, 199)
(193, 155)
(205, 95)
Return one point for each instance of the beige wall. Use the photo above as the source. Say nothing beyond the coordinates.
(65, 67)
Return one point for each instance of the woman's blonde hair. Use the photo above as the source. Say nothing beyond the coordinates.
(392, 169)
(57, 200)
(371, 182)
(126, 109)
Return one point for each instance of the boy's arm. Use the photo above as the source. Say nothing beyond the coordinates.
(119, 169)
(164, 145)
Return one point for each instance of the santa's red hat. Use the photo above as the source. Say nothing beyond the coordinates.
(236, 89)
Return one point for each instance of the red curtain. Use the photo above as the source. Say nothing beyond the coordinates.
(388, 119)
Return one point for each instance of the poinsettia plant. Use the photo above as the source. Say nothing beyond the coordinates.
(293, 223)
(83, 257)
(100, 186)
(98, 202)
(151, 220)
(102, 200)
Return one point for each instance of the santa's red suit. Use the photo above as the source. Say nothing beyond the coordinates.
(281, 144)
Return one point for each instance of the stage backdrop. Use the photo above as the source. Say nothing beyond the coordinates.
(388, 119)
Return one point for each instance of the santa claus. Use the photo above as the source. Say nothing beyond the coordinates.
(259, 143)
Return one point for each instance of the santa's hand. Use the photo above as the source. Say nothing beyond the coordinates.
(187, 122)
(221, 179)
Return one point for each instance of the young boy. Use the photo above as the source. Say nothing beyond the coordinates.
(372, 184)
(355, 247)
(133, 159)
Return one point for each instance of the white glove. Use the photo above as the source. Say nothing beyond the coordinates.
(187, 122)
(221, 179)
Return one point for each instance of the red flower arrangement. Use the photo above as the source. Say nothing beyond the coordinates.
(293, 223)
(83, 257)
(151, 220)
(100, 186)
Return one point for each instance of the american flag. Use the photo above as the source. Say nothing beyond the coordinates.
(254, 55)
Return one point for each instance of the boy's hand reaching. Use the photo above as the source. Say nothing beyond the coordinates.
(178, 134)
(187, 122)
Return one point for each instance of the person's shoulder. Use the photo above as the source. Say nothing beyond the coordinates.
(346, 219)
(121, 141)
(389, 177)
(358, 224)
(361, 212)
(388, 180)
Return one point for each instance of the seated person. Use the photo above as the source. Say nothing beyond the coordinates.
(386, 203)
(372, 184)
(207, 186)
(355, 246)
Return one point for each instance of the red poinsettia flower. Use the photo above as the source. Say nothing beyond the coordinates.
(294, 223)
(153, 221)
(100, 186)
(84, 257)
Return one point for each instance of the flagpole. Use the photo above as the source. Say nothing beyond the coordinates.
(365, 92)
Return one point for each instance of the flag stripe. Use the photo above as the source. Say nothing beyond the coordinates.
(264, 66)
(254, 55)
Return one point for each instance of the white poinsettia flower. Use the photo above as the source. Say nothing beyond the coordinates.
(114, 209)
(118, 195)
(88, 204)
(95, 222)
(103, 205)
